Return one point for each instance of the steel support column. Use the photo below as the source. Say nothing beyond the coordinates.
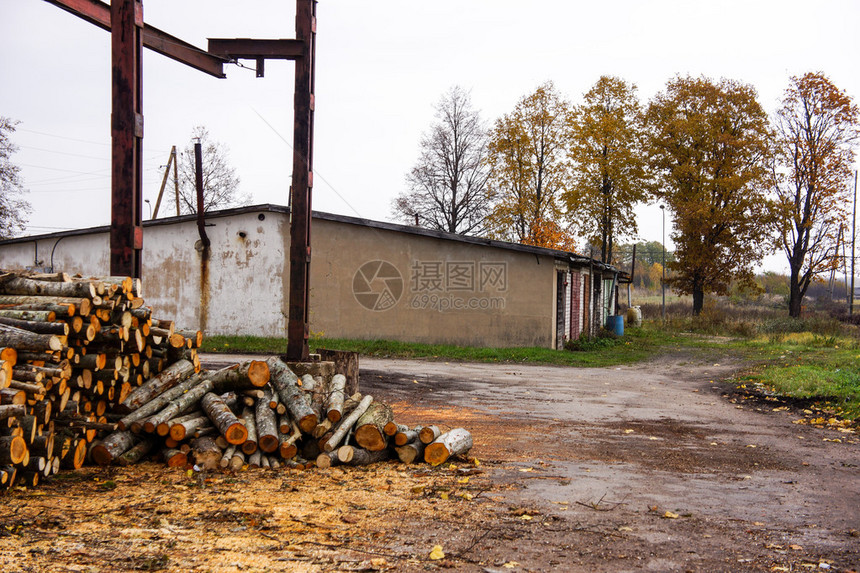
(126, 232)
(300, 205)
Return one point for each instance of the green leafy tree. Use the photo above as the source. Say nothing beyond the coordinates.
(529, 171)
(610, 177)
(709, 143)
(13, 208)
(817, 128)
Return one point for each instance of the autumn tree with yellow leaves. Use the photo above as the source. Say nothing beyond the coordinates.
(610, 176)
(530, 170)
(709, 143)
(817, 127)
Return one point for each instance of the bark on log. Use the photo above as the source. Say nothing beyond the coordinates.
(224, 419)
(58, 328)
(327, 460)
(334, 405)
(410, 452)
(168, 378)
(249, 446)
(346, 424)
(15, 285)
(403, 438)
(237, 462)
(267, 425)
(248, 375)
(82, 306)
(457, 441)
(429, 433)
(157, 404)
(112, 447)
(13, 450)
(285, 383)
(12, 411)
(180, 428)
(26, 340)
(362, 457)
(346, 363)
(174, 458)
(227, 456)
(369, 429)
(136, 453)
(207, 454)
(182, 404)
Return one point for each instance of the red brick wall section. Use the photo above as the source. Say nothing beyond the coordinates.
(575, 304)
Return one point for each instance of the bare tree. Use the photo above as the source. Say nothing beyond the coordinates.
(220, 182)
(13, 209)
(448, 185)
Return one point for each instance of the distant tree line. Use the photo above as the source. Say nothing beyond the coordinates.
(738, 185)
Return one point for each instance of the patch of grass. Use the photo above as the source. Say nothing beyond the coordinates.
(638, 344)
(824, 369)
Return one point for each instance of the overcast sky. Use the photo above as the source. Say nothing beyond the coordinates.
(381, 67)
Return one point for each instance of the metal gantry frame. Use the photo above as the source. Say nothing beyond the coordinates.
(129, 35)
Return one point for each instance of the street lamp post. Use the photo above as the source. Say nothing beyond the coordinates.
(663, 283)
(150, 207)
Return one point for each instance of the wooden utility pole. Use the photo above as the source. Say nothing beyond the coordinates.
(853, 240)
(170, 160)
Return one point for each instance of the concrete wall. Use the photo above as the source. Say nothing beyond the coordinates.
(368, 280)
(371, 283)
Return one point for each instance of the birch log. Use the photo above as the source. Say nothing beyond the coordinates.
(410, 452)
(457, 441)
(224, 419)
(334, 404)
(112, 447)
(285, 383)
(167, 379)
(369, 429)
(346, 424)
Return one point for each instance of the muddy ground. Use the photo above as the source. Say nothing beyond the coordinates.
(663, 466)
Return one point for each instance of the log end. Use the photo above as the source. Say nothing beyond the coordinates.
(100, 455)
(258, 373)
(236, 434)
(370, 438)
(308, 423)
(268, 443)
(334, 416)
(436, 453)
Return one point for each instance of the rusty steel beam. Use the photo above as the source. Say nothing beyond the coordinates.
(126, 231)
(246, 48)
(300, 205)
(99, 14)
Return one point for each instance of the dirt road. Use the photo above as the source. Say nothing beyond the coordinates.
(661, 466)
(658, 466)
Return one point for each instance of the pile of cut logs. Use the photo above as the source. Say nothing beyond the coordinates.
(87, 373)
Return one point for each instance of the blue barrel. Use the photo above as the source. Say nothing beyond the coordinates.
(615, 324)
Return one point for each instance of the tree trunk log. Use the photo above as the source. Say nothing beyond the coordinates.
(227, 456)
(136, 453)
(224, 419)
(362, 457)
(249, 446)
(184, 403)
(13, 450)
(112, 447)
(174, 458)
(16, 285)
(12, 411)
(346, 424)
(167, 379)
(285, 383)
(26, 340)
(267, 425)
(207, 454)
(181, 428)
(403, 438)
(410, 452)
(58, 328)
(334, 405)
(327, 460)
(429, 433)
(369, 429)
(457, 441)
(248, 375)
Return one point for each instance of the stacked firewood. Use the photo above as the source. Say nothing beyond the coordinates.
(262, 414)
(71, 350)
(87, 373)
